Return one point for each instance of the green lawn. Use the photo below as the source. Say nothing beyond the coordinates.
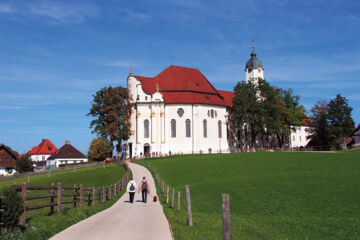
(42, 226)
(280, 195)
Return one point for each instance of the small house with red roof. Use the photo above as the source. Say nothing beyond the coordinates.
(39, 154)
(8, 159)
(67, 154)
(354, 140)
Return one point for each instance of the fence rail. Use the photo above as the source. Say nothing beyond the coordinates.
(76, 195)
(59, 169)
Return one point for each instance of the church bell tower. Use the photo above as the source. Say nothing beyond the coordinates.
(254, 69)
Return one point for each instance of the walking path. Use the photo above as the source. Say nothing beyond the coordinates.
(137, 221)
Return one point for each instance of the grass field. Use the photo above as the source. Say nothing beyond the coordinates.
(42, 226)
(280, 195)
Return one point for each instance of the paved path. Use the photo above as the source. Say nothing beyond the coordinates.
(137, 221)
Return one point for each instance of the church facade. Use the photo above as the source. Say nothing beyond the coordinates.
(180, 112)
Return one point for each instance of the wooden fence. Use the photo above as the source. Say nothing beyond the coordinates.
(165, 189)
(77, 196)
(1, 210)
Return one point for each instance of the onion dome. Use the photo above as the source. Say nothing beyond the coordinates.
(253, 62)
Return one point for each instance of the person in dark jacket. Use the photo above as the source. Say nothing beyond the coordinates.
(144, 188)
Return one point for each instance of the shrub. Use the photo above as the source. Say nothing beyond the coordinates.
(24, 164)
(12, 204)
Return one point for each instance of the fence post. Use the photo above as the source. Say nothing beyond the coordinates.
(23, 195)
(99, 193)
(109, 192)
(190, 221)
(75, 193)
(80, 196)
(89, 196)
(226, 216)
(103, 195)
(52, 192)
(59, 198)
(93, 196)
(178, 206)
(167, 194)
(172, 198)
(115, 189)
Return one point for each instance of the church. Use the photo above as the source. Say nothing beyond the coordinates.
(180, 112)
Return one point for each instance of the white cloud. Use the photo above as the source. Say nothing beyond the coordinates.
(4, 8)
(63, 12)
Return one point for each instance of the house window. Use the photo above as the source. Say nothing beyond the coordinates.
(205, 128)
(146, 128)
(212, 113)
(43, 158)
(187, 123)
(173, 128)
(145, 98)
(10, 159)
(219, 129)
(3, 159)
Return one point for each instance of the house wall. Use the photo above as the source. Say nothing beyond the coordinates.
(58, 161)
(6, 160)
(39, 157)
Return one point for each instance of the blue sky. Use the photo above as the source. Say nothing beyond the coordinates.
(56, 54)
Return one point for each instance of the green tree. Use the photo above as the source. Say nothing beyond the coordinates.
(340, 121)
(24, 164)
(246, 113)
(112, 110)
(100, 148)
(320, 129)
(12, 204)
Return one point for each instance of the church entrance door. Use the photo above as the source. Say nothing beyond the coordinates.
(146, 150)
(130, 150)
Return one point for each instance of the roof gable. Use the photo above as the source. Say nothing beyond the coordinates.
(9, 151)
(67, 151)
(46, 147)
(182, 85)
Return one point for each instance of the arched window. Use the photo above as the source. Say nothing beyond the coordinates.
(187, 123)
(205, 128)
(173, 128)
(220, 129)
(146, 128)
(212, 113)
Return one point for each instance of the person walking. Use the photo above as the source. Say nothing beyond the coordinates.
(131, 189)
(144, 188)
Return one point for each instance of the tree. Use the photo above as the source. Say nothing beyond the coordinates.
(320, 130)
(112, 110)
(12, 205)
(100, 148)
(340, 121)
(246, 113)
(24, 164)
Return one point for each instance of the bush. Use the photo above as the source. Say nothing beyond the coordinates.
(12, 204)
(24, 164)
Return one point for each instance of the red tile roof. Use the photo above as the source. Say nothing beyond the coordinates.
(45, 147)
(182, 85)
(228, 97)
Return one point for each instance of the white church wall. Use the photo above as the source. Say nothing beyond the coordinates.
(298, 137)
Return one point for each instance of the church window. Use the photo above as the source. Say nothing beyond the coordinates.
(180, 112)
(138, 97)
(205, 128)
(293, 138)
(219, 129)
(187, 123)
(146, 128)
(212, 113)
(208, 113)
(300, 138)
(173, 128)
(215, 113)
